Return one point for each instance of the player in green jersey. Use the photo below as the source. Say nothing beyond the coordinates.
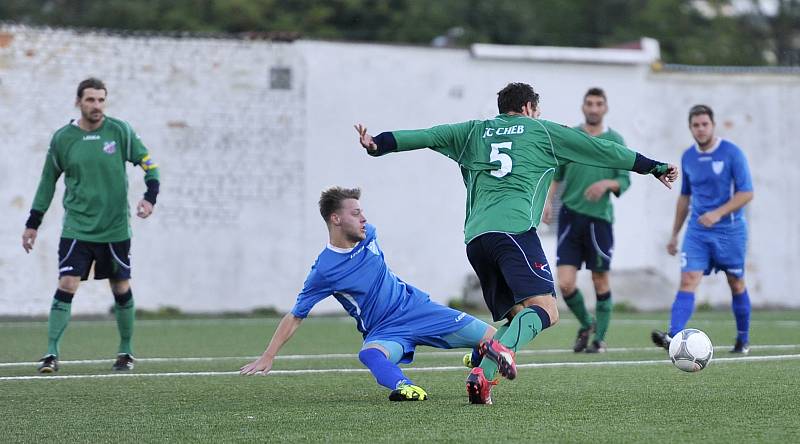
(507, 164)
(584, 226)
(92, 153)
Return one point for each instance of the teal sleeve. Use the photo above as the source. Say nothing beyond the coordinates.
(623, 178)
(448, 139)
(51, 171)
(571, 145)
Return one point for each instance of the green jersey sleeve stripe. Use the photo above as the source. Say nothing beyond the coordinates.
(552, 148)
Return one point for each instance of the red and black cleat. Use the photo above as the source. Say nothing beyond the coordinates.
(502, 356)
(479, 389)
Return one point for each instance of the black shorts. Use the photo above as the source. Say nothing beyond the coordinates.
(511, 269)
(111, 259)
(584, 239)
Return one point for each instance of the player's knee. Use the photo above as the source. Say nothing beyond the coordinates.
(737, 284)
(69, 283)
(553, 313)
(120, 287)
(600, 281)
(690, 281)
(567, 289)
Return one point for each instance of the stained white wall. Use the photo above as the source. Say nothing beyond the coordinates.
(237, 224)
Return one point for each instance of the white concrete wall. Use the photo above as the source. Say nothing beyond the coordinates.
(237, 225)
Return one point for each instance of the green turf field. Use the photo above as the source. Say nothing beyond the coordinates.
(630, 394)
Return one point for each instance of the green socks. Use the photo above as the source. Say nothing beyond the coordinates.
(523, 328)
(578, 308)
(500, 331)
(603, 314)
(125, 313)
(58, 320)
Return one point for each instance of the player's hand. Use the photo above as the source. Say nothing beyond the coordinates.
(365, 139)
(672, 246)
(547, 213)
(261, 365)
(28, 239)
(596, 190)
(144, 209)
(709, 219)
(670, 176)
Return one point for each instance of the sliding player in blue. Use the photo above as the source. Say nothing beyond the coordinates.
(716, 186)
(393, 317)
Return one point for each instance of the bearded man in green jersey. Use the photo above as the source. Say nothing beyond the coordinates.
(507, 164)
(92, 153)
(584, 226)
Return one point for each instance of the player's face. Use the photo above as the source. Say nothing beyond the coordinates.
(702, 129)
(92, 104)
(594, 108)
(351, 220)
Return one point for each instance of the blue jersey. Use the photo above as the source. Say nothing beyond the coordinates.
(380, 302)
(712, 177)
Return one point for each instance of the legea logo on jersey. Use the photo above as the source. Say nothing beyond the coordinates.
(91, 137)
(109, 147)
(717, 166)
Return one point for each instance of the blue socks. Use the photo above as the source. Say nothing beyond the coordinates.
(682, 310)
(386, 373)
(741, 311)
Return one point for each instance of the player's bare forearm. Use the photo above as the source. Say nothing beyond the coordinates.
(681, 212)
(285, 330)
(283, 333)
(739, 199)
(551, 193)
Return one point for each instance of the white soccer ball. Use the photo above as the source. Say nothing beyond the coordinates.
(691, 350)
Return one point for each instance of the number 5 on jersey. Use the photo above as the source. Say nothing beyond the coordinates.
(503, 158)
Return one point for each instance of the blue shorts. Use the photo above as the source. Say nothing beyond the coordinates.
(715, 249)
(453, 329)
(584, 239)
(511, 269)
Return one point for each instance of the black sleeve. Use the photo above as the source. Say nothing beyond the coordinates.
(152, 190)
(643, 165)
(34, 220)
(386, 144)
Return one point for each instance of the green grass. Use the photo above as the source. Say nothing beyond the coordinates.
(733, 401)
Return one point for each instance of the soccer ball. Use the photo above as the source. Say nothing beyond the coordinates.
(691, 350)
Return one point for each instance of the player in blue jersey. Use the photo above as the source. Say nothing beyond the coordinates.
(716, 186)
(393, 316)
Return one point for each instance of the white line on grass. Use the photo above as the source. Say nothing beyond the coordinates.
(355, 356)
(413, 369)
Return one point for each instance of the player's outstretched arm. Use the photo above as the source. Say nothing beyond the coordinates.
(285, 330)
(547, 211)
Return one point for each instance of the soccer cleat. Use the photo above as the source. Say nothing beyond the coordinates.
(583, 339)
(501, 355)
(408, 392)
(741, 347)
(660, 339)
(597, 347)
(123, 363)
(479, 389)
(49, 364)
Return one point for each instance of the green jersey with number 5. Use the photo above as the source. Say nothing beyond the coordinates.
(508, 163)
